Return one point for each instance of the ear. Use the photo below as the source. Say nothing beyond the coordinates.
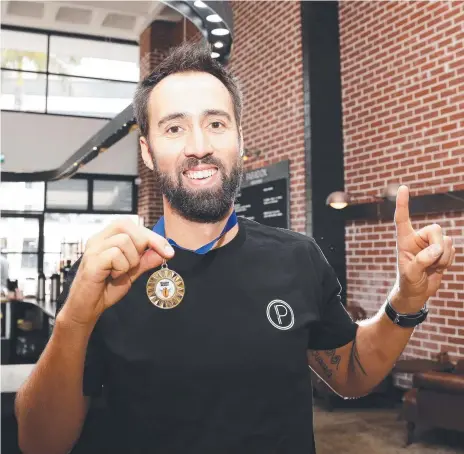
(146, 155)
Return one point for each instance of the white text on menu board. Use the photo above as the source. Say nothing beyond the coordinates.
(269, 201)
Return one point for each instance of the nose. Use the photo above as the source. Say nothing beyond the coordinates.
(197, 144)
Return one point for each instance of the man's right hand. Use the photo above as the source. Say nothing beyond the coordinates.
(113, 259)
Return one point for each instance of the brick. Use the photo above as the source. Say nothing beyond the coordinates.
(453, 322)
(405, 31)
(457, 340)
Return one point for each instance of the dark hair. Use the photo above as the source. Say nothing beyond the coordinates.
(186, 57)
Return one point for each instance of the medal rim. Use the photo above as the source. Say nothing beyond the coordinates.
(179, 292)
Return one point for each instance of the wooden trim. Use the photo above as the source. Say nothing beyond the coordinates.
(418, 206)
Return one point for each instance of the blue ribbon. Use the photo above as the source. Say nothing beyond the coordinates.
(231, 223)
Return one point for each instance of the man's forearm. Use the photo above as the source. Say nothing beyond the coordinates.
(378, 344)
(50, 406)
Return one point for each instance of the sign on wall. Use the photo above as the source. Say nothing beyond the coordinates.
(264, 195)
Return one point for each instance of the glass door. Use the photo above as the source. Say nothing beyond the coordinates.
(21, 251)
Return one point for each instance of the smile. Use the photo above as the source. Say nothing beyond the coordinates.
(200, 174)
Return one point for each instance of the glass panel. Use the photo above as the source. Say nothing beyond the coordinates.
(23, 91)
(112, 195)
(24, 268)
(67, 194)
(22, 196)
(89, 58)
(66, 234)
(96, 98)
(51, 264)
(19, 234)
(21, 50)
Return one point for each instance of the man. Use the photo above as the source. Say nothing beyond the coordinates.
(208, 352)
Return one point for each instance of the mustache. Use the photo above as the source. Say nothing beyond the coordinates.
(190, 163)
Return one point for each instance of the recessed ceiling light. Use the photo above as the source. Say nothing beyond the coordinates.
(218, 44)
(199, 4)
(215, 55)
(220, 31)
(214, 18)
(95, 148)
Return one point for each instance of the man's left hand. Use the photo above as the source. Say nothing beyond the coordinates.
(422, 256)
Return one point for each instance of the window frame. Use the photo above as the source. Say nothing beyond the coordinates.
(40, 215)
(90, 178)
(49, 34)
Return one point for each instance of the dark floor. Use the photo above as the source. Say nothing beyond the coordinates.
(349, 429)
(377, 431)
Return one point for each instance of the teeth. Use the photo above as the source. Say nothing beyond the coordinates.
(200, 174)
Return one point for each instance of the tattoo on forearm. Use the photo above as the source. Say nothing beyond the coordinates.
(317, 356)
(334, 359)
(354, 358)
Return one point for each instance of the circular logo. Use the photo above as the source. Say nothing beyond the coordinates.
(165, 288)
(280, 314)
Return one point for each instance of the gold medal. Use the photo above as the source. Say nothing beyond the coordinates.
(165, 288)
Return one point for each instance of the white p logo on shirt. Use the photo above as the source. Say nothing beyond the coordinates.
(280, 314)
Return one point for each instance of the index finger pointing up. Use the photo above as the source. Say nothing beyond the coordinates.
(402, 220)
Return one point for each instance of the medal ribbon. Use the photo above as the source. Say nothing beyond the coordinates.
(231, 223)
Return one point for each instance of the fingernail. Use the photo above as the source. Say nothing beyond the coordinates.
(435, 249)
(169, 250)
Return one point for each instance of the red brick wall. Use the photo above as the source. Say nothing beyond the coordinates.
(150, 203)
(403, 113)
(267, 58)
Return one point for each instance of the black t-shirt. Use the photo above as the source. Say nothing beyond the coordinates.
(226, 370)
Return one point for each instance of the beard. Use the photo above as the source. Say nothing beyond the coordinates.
(201, 205)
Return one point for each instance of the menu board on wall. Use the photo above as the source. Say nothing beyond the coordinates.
(264, 195)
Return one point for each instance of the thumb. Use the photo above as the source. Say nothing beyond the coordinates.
(425, 258)
(149, 260)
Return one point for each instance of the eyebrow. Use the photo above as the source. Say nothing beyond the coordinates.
(183, 115)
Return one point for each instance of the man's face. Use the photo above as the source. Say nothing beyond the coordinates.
(194, 145)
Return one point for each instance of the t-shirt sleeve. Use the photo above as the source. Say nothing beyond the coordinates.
(93, 366)
(334, 327)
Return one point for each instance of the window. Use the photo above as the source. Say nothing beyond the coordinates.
(24, 51)
(65, 236)
(22, 196)
(20, 246)
(112, 195)
(76, 76)
(88, 97)
(96, 59)
(23, 91)
(91, 194)
(75, 209)
(30, 244)
(67, 194)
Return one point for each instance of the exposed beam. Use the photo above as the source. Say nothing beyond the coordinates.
(111, 133)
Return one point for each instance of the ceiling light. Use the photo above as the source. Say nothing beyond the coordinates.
(215, 55)
(199, 4)
(220, 32)
(95, 148)
(218, 44)
(214, 18)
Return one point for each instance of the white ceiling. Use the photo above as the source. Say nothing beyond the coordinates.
(112, 19)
